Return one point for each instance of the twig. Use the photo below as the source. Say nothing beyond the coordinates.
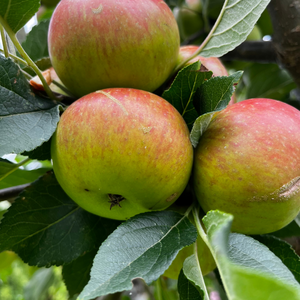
(12, 192)
(258, 51)
(26, 57)
(285, 16)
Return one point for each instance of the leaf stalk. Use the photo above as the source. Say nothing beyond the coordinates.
(16, 167)
(207, 39)
(5, 47)
(29, 61)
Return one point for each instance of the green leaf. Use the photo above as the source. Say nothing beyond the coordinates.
(293, 229)
(215, 93)
(2, 212)
(77, 274)
(200, 125)
(6, 167)
(11, 175)
(36, 43)
(45, 227)
(249, 270)
(267, 81)
(183, 89)
(26, 120)
(284, 251)
(16, 13)
(191, 283)
(19, 177)
(42, 152)
(143, 247)
(37, 287)
(235, 22)
(187, 290)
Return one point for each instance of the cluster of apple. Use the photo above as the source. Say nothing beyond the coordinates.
(121, 150)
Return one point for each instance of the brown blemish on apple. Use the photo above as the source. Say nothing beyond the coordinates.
(172, 197)
(115, 200)
(114, 100)
(87, 190)
(97, 10)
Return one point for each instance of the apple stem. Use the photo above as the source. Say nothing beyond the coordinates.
(28, 60)
(207, 39)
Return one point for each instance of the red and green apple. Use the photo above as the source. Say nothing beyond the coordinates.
(119, 152)
(247, 163)
(95, 45)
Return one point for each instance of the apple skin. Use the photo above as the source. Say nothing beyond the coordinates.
(207, 262)
(195, 5)
(126, 142)
(95, 45)
(243, 161)
(255, 34)
(211, 63)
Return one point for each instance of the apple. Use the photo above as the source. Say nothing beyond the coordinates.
(189, 22)
(195, 5)
(119, 152)
(207, 262)
(255, 34)
(213, 64)
(95, 45)
(247, 163)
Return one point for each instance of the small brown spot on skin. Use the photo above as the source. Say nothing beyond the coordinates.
(172, 197)
(86, 190)
(115, 200)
